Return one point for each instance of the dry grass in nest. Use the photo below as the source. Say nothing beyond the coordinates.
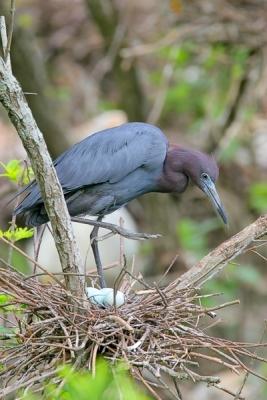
(156, 330)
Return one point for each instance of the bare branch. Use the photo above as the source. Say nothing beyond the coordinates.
(116, 229)
(13, 100)
(217, 259)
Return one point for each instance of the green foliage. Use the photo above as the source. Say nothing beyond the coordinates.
(7, 306)
(24, 20)
(7, 303)
(108, 383)
(17, 233)
(4, 298)
(203, 83)
(179, 55)
(106, 105)
(16, 171)
(258, 197)
(14, 235)
(193, 236)
(236, 277)
(18, 261)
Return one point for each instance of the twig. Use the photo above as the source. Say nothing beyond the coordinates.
(13, 221)
(30, 259)
(94, 354)
(38, 236)
(215, 308)
(216, 360)
(167, 388)
(121, 322)
(226, 390)
(38, 378)
(238, 394)
(146, 384)
(179, 394)
(164, 341)
(140, 342)
(10, 32)
(91, 273)
(4, 41)
(164, 300)
(184, 376)
(116, 229)
(168, 269)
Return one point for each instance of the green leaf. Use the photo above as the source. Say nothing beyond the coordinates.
(17, 234)
(109, 382)
(15, 171)
(258, 196)
(5, 298)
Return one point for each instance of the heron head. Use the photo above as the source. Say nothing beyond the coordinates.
(203, 171)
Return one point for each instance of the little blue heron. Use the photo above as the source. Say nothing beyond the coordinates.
(108, 169)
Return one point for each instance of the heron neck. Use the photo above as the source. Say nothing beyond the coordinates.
(174, 177)
(181, 159)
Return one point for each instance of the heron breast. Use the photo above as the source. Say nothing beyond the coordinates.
(172, 182)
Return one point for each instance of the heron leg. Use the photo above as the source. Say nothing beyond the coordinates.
(94, 245)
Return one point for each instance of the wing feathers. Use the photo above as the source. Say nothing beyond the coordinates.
(106, 156)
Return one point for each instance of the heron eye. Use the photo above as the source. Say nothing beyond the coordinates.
(205, 176)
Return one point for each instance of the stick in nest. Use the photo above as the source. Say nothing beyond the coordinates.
(157, 330)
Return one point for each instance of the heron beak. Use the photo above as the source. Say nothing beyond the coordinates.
(209, 188)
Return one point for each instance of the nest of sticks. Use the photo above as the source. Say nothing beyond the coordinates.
(159, 332)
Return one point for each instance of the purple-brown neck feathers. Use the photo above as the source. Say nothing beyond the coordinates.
(182, 164)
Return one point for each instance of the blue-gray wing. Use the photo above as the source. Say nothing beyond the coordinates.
(110, 155)
(107, 156)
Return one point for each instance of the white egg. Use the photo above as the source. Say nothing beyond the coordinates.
(105, 297)
(106, 291)
(109, 298)
(94, 295)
